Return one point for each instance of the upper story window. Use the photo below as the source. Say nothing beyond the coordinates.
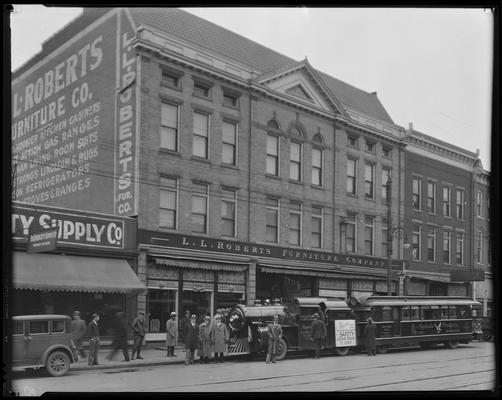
(370, 147)
(317, 166)
(369, 222)
(431, 244)
(201, 89)
(447, 247)
(230, 100)
(431, 197)
(416, 242)
(201, 135)
(295, 223)
(169, 117)
(228, 210)
(479, 203)
(168, 207)
(460, 203)
(369, 181)
(385, 179)
(229, 143)
(479, 246)
(200, 205)
(272, 221)
(385, 238)
(353, 141)
(446, 201)
(273, 124)
(316, 227)
(351, 176)
(417, 193)
(350, 233)
(387, 152)
(272, 155)
(460, 248)
(171, 79)
(295, 165)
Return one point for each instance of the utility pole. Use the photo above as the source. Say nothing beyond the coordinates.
(389, 235)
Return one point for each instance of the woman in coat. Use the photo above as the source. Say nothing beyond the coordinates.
(205, 340)
(219, 338)
(370, 333)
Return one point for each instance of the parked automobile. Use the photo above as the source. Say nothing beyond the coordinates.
(42, 341)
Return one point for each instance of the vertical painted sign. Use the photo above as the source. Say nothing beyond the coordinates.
(345, 332)
(70, 115)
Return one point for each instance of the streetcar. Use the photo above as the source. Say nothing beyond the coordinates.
(424, 321)
(248, 326)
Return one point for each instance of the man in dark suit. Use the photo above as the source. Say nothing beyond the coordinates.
(274, 331)
(191, 339)
(139, 328)
(318, 334)
(370, 333)
(93, 333)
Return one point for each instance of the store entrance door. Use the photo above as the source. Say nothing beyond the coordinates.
(198, 302)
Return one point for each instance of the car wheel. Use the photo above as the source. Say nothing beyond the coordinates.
(58, 363)
(282, 349)
(341, 351)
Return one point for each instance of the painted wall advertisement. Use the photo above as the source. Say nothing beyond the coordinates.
(74, 122)
(345, 332)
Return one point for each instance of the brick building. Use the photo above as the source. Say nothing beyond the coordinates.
(251, 175)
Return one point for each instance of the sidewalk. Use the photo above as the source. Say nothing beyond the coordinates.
(152, 355)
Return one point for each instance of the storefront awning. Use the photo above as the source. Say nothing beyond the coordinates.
(200, 265)
(73, 273)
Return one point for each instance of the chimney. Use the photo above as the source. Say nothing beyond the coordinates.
(410, 128)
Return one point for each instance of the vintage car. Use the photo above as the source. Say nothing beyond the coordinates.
(42, 341)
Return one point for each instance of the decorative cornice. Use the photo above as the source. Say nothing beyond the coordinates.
(438, 149)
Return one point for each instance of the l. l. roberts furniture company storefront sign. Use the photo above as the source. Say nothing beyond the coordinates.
(74, 133)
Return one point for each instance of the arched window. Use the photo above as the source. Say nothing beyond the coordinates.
(296, 132)
(273, 124)
(318, 138)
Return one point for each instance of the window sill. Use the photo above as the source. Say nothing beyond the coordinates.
(201, 159)
(273, 177)
(236, 108)
(317, 187)
(163, 150)
(230, 166)
(351, 195)
(296, 182)
(195, 96)
(177, 88)
(372, 199)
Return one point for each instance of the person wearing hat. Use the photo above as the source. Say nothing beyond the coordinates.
(191, 339)
(274, 331)
(78, 327)
(219, 338)
(185, 321)
(171, 334)
(119, 337)
(318, 334)
(205, 340)
(370, 334)
(93, 333)
(139, 328)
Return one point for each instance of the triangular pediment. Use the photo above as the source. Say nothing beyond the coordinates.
(300, 83)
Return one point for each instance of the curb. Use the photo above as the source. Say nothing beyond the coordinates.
(121, 365)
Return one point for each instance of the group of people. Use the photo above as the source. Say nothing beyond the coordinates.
(79, 329)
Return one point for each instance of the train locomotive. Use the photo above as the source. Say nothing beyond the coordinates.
(248, 326)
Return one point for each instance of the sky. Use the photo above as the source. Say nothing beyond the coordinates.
(431, 67)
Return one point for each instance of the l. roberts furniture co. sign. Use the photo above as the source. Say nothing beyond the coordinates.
(74, 133)
(71, 227)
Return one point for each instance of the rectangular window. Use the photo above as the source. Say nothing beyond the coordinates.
(387, 152)
(230, 100)
(229, 143)
(417, 193)
(295, 224)
(446, 201)
(200, 200)
(352, 141)
(350, 233)
(273, 155)
(368, 234)
(171, 79)
(370, 147)
(415, 242)
(479, 247)
(479, 203)
(431, 197)
(316, 227)
(351, 176)
(295, 166)
(168, 203)
(169, 127)
(369, 180)
(431, 244)
(446, 247)
(460, 203)
(272, 234)
(201, 135)
(385, 179)
(201, 90)
(316, 167)
(39, 327)
(460, 248)
(18, 328)
(385, 239)
(58, 326)
(228, 209)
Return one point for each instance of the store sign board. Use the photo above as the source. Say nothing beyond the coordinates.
(345, 332)
(42, 241)
(72, 227)
(74, 123)
(197, 243)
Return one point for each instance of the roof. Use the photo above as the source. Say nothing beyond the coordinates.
(447, 145)
(369, 301)
(40, 317)
(214, 38)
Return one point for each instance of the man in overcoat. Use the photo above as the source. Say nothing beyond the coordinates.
(93, 333)
(205, 340)
(139, 328)
(78, 328)
(184, 324)
(318, 334)
(274, 331)
(171, 334)
(219, 338)
(120, 337)
(370, 334)
(191, 339)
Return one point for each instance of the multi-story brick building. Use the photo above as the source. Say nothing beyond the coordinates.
(251, 175)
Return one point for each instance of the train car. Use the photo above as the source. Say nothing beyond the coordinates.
(248, 326)
(423, 321)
